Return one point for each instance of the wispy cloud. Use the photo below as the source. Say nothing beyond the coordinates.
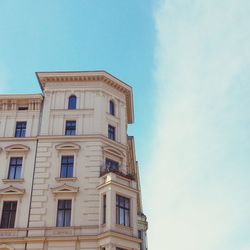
(198, 185)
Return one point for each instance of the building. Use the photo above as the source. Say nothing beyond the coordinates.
(69, 177)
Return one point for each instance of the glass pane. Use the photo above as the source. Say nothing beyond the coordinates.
(72, 102)
(71, 159)
(64, 159)
(61, 204)
(4, 220)
(19, 160)
(117, 215)
(13, 205)
(60, 218)
(122, 216)
(68, 204)
(70, 172)
(67, 218)
(11, 172)
(18, 172)
(63, 171)
(12, 219)
(126, 203)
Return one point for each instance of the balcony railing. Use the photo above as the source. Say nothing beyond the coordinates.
(115, 169)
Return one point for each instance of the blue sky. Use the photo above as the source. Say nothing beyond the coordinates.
(188, 62)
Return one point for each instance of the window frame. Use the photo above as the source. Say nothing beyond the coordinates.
(69, 126)
(67, 167)
(65, 209)
(112, 134)
(20, 132)
(15, 217)
(112, 107)
(16, 165)
(104, 208)
(126, 211)
(70, 99)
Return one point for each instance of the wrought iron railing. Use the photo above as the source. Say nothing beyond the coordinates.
(104, 169)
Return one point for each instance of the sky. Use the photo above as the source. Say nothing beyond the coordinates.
(188, 62)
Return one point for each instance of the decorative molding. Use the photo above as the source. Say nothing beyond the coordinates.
(17, 148)
(59, 179)
(20, 180)
(11, 190)
(65, 189)
(68, 146)
(113, 151)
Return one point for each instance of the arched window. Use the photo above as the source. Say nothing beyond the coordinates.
(72, 102)
(111, 107)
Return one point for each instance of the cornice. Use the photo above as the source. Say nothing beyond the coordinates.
(90, 76)
(21, 96)
(76, 138)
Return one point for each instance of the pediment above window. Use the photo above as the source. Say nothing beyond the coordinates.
(11, 190)
(114, 151)
(65, 189)
(17, 148)
(68, 146)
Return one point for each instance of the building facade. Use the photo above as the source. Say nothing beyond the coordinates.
(69, 177)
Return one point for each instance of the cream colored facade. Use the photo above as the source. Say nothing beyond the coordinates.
(95, 190)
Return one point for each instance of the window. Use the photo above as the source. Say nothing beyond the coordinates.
(63, 213)
(8, 214)
(20, 129)
(111, 165)
(70, 128)
(104, 209)
(23, 108)
(122, 211)
(72, 102)
(15, 168)
(140, 236)
(67, 164)
(111, 132)
(111, 107)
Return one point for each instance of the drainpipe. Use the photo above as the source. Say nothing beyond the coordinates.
(33, 175)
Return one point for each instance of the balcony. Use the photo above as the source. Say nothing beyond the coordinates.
(116, 169)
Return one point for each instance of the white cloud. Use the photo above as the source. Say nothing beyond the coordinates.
(198, 187)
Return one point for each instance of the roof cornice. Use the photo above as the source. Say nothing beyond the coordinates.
(88, 76)
(21, 96)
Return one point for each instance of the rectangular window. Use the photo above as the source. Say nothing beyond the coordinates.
(111, 165)
(140, 236)
(67, 164)
(8, 214)
(23, 108)
(20, 129)
(122, 211)
(63, 213)
(104, 209)
(15, 168)
(70, 128)
(111, 132)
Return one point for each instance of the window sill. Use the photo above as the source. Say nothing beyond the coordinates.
(66, 179)
(21, 180)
